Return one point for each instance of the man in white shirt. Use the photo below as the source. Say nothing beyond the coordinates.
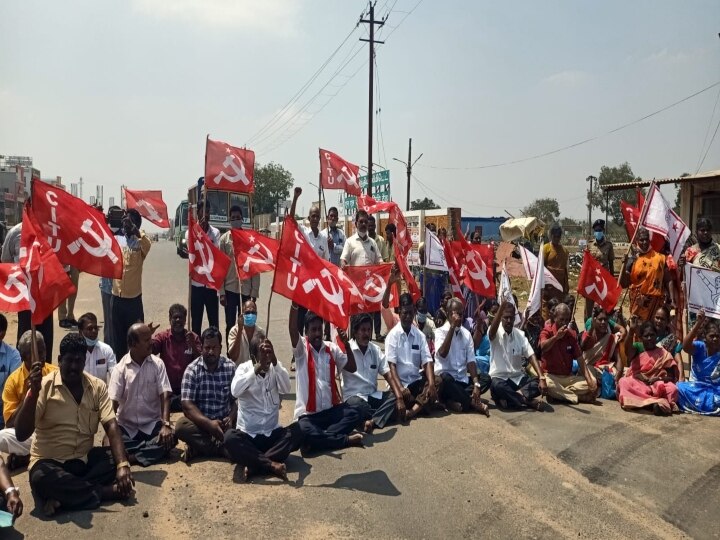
(203, 298)
(100, 358)
(410, 361)
(259, 444)
(324, 419)
(454, 358)
(140, 393)
(360, 389)
(360, 249)
(511, 387)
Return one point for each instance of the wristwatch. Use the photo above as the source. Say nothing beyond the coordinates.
(477, 385)
(123, 464)
(9, 490)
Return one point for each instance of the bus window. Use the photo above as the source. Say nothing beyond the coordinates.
(218, 203)
(243, 201)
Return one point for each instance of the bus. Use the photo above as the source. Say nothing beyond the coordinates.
(219, 203)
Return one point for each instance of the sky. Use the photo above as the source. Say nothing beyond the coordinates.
(124, 92)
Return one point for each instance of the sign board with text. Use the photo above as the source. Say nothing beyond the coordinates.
(380, 191)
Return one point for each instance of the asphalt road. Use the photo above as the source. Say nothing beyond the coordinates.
(578, 471)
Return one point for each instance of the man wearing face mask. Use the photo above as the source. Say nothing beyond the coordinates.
(603, 252)
(233, 290)
(100, 358)
(242, 334)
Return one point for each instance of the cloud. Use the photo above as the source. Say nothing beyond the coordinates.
(271, 16)
(569, 78)
(666, 56)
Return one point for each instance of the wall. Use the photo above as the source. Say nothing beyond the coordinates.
(706, 193)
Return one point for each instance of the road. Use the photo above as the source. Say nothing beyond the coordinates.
(577, 471)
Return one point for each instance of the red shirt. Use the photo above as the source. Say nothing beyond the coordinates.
(558, 359)
(175, 354)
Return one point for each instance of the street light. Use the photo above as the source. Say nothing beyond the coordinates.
(590, 179)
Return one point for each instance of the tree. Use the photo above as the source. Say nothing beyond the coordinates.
(546, 210)
(424, 204)
(610, 202)
(272, 184)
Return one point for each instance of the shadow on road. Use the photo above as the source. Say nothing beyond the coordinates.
(373, 482)
(82, 519)
(379, 437)
(151, 478)
(11, 534)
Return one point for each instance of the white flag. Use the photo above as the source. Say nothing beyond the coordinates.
(659, 217)
(434, 252)
(703, 290)
(538, 282)
(505, 293)
(529, 261)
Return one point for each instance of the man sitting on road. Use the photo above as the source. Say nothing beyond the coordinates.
(559, 345)
(408, 355)
(454, 358)
(242, 333)
(206, 400)
(259, 444)
(324, 419)
(360, 388)
(100, 358)
(14, 393)
(511, 387)
(64, 409)
(140, 394)
(177, 347)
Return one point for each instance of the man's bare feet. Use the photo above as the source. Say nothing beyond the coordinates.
(112, 493)
(369, 426)
(356, 440)
(50, 507)
(188, 455)
(537, 404)
(279, 470)
(482, 408)
(454, 406)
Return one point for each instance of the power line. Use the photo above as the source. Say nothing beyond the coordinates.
(707, 132)
(709, 145)
(378, 115)
(579, 143)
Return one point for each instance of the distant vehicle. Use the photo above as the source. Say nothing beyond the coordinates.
(219, 203)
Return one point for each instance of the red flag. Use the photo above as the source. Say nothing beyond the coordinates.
(596, 283)
(371, 206)
(402, 237)
(47, 282)
(371, 281)
(306, 279)
(13, 288)
(631, 215)
(228, 168)
(76, 231)
(640, 198)
(254, 253)
(150, 204)
(476, 262)
(208, 265)
(336, 173)
(453, 269)
(659, 217)
(400, 260)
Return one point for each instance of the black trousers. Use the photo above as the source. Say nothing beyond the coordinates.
(377, 323)
(328, 429)
(232, 309)
(74, 484)
(145, 447)
(201, 442)
(257, 453)
(506, 390)
(459, 392)
(46, 328)
(301, 320)
(125, 313)
(204, 299)
(380, 411)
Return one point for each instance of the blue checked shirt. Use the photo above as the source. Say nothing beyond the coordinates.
(209, 390)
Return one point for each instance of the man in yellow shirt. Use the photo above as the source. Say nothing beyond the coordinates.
(13, 395)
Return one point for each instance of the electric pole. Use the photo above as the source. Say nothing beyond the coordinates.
(409, 165)
(372, 43)
(590, 179)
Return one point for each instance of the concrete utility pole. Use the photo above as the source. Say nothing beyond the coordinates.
(409, 165)
(372, 43)
(80, 183)
(590, 179)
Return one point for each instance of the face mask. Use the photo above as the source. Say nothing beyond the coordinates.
(362, 236)
(236, 223)
(599, 235)
(422, 317)
(250, 319)
(90, 342)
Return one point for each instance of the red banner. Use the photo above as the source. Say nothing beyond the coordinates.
(476, 262)
(13, 289)
(228, 168)
(336, 173)
(150, 204)
(453, 270)
(208, 265)
(596, 283)
(407, 275)
(371, 281)
(631, 215)
(254, 252)
(77, 232)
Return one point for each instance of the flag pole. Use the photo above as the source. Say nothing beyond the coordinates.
(34, 355)
(643, 213)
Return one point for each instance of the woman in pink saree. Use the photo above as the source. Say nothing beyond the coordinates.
(649, 381)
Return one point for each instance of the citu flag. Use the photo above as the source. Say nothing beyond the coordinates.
(453, 269)
(371, 206)
(407, 275)
(371, 281)
(396, 217)
(228, 168)
(150, 205)
(476, 262)
(631, 216)
(207, 264)
(336, 173)
(255, 253)
(13, 288)
(596, 283)
(76, 232)
(309, 281)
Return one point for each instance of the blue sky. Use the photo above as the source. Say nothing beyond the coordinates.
(124, 92)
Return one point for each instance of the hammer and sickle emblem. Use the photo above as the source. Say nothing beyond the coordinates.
(104, 242)
(18, 284)
(334, 296)
(239, 172)
(594, 286)
(152, 213)
(477, 271)
(205, 269)
(265, 258)
(371, 284)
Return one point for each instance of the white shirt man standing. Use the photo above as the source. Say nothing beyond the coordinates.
(100, 358)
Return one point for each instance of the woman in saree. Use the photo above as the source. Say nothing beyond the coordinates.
(647, 277)
(649, 381)
(599, 346)
(666, 337)
(702, 393)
